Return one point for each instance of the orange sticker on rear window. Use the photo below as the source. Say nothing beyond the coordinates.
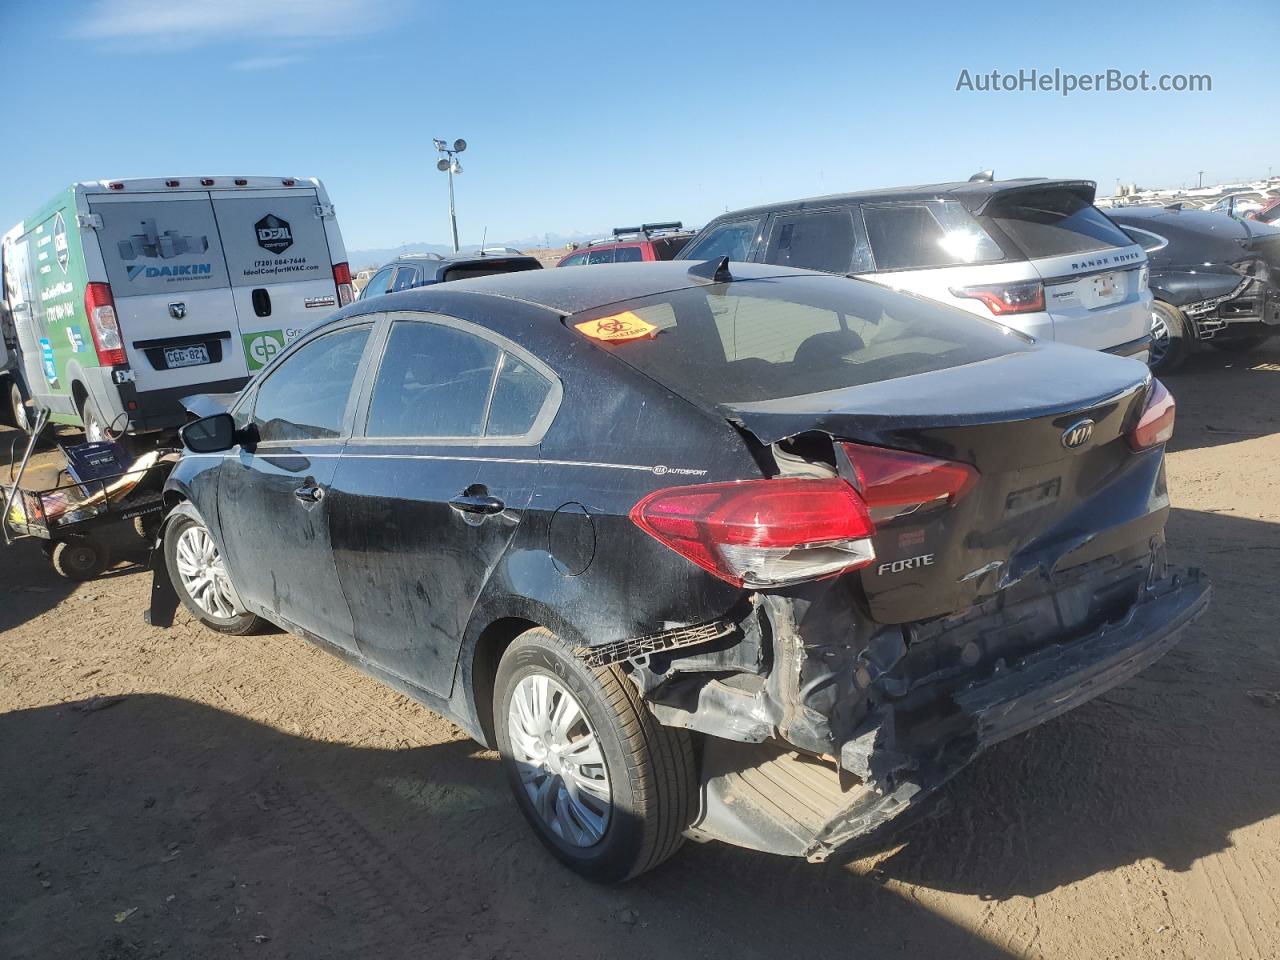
(619, 326)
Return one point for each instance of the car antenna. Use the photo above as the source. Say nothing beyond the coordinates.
(484, 238)
(712, 271)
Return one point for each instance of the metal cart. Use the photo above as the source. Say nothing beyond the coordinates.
(71, 515)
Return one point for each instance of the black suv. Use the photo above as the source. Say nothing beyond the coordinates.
(424, 269)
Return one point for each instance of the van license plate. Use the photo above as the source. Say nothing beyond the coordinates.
(186, 356)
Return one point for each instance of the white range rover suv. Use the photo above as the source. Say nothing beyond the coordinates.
(1034, 254)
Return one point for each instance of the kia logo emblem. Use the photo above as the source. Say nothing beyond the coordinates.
(1077, 435)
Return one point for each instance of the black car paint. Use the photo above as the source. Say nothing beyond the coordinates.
(1192, 269)
(820, 666)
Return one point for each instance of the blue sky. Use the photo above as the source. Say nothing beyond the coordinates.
(583, 116)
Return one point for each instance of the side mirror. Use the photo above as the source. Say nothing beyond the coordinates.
(209, 434)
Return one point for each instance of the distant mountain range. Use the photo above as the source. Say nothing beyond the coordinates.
(374, 257)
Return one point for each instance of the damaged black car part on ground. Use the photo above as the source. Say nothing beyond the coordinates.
(740, 553)
(1214, 280)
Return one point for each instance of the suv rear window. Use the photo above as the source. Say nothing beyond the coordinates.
(1051, 223)
(911, 236)
(468, 270)
(764, 339)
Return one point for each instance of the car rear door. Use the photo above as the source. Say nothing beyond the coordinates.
(280, 266)
(172, 295)
(273, 502)
(426, 501)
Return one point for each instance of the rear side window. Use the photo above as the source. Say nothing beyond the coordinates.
(1051, 223)
(627, 254)
(434, 381)
(406, 277)
(758, 340)
(577, 260)
(518, 396)
(732, 240)
(600, 256)
(666, 248)
(911, 236)
(814, 240)
(305, 398)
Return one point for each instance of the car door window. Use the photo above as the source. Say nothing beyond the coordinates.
(305, 397)
(434, 381)
(378, 284)
(814, 240)
(627, 254)
(732, 240)
(600, 256)
(406, 277)
(577, 260)
(518, 397)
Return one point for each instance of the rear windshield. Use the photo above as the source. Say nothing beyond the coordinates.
(467, 271)
(666, 248)
(766, 339)
(1050, 223)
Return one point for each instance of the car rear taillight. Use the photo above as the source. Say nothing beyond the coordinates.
(1006, 298)
(895, 483)
(342, 278)
(762, 533)
(100, 308)
(1155, 426)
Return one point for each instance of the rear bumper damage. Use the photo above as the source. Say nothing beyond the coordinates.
(775, 790)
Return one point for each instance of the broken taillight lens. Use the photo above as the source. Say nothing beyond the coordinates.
(762, 533)
(895, 483)
(1155, 426)
(1006, 298)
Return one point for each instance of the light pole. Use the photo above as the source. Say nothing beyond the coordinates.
(448, 163)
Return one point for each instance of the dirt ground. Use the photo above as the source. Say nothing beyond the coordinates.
(186, 795)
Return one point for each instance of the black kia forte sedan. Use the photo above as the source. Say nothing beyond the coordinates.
(723, 551)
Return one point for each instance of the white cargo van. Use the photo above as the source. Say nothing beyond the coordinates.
(127, 295)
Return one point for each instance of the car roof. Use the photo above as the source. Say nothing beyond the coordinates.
(973, 193)
(598, 285)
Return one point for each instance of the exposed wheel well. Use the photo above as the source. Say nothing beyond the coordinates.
(78, 396)
(490, 646)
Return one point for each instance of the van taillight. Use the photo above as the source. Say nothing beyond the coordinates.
(100, 309)
(895, 483)
(342, 279)
(1155, 426)
(762, 533)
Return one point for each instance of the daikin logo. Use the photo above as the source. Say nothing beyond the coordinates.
(180, 270)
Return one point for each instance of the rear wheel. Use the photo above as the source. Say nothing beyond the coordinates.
(199, 577)
(1170, 337)
(95, 424)
(18, 412)
(79, 558)
(607, 789)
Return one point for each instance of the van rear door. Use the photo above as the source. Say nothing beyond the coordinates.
(280, 266)
(172, 296)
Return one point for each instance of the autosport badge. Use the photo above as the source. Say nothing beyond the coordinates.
(617, 327)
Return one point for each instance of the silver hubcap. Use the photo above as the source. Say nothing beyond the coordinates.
(1159, 338)
(561, 765)
(203, 574)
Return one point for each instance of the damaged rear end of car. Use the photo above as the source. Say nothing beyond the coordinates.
(955, 534)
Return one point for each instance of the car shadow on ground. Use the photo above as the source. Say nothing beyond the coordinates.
(1226, 397)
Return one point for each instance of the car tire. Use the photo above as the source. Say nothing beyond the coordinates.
(1241, 344)
(17, 413)
(199, 577)
(1171, 339)
(95, 424)
(608, 813)
(79, 558)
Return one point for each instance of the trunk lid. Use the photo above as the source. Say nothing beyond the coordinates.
(1039, 504)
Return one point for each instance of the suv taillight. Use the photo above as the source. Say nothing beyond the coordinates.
(895, 483)
(100, 309)
(1155, 426)
(342, 280)
(762, 533)
(1003, 299)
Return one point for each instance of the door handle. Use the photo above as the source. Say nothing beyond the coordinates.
(468, 503)
(310, 493)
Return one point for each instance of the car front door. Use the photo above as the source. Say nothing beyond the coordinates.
(273, 504)
(432, 486)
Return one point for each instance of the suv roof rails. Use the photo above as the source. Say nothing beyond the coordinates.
(428, 254)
